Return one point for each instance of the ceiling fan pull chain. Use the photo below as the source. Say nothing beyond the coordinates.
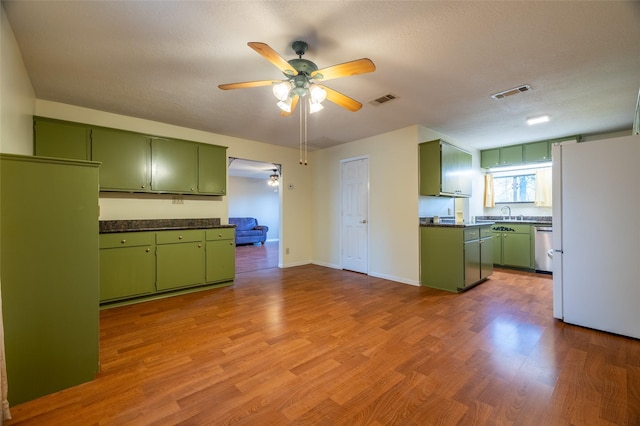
(306, 134)
(301, 134)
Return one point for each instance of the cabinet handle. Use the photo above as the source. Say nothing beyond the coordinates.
(143, 186)
(148, 250)
(180, 237)
(199, 245)
(219, 235)
(230, 243)
(123, 241)
(192, 189)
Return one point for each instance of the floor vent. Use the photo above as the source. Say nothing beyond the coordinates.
(382, 99)
(511, 92)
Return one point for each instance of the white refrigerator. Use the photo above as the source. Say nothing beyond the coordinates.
(596, 234)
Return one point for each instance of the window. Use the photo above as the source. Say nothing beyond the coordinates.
(518, 184)
(515, 189)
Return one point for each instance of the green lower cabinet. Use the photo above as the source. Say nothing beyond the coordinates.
(127, 265)
(180, 257)
(513, 247)
(453, 258)
(221, 257)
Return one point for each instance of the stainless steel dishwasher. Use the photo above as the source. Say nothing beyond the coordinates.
(543, 260)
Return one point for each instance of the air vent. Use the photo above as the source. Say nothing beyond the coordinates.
(511, 92)
(382, 99)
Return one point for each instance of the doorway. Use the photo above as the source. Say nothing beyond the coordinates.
(254, 191)
(355, 214)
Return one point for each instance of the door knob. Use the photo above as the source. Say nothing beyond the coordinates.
(363, 221)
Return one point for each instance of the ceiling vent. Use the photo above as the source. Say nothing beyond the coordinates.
(511, 92)
(382, 99)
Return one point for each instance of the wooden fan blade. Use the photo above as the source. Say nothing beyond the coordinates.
(343, 100)
(246, 84)
(359, 66)
(272, 56)
(294, 103)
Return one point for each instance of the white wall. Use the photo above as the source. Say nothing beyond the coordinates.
(250, 197)
(17, 99)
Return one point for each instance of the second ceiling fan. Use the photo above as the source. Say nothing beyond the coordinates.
(302, 79)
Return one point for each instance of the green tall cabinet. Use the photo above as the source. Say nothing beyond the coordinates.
(49, 266)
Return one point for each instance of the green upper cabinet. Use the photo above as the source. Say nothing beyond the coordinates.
(61, 139)
(212, 169)
(511, 155)
(506, 156)
(125, 159)
(444, 170)
(490, 158)
(174, 166)
(537, 151)
(136, 162)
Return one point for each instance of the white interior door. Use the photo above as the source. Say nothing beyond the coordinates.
(355, 215)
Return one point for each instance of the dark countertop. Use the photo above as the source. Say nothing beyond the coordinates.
(448, 224)
(139, 225)
(486, 220)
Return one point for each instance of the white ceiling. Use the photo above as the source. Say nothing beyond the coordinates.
(163, 61)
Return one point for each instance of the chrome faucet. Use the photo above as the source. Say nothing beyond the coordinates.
(502, 211)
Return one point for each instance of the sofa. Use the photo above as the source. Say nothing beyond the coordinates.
(248, 231)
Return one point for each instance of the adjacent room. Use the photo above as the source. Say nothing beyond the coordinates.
(319, 213)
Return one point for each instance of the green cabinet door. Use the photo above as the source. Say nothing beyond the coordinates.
(471, 262)
(536, 152)
(497, 248)
(516, 250)
(212, 169)
(444, 170)
(511, 155)
(221, 261)
(61, 139)
(174, 166)
(490, 158)
(50, 273)
(180, 259)
(124, 157)
(180, 265)
(127, 265)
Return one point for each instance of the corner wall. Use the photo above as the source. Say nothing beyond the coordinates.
(17, 98)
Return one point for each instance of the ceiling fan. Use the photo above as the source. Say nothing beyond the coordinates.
(302, 79)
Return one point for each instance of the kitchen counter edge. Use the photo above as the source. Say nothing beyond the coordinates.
(141, 225)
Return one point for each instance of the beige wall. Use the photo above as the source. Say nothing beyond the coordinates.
(393, 202)
(17, 98)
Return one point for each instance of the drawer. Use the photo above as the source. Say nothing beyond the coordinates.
(127, 239)
(486, 232)
(471, 234)
(182, 236)
(220, 234)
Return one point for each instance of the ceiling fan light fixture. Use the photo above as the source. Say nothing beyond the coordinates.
(274, 179)
(285, 105)
(314, 106)
(281, 90)
(317, 94)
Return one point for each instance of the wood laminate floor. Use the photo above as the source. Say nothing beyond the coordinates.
(254, 257)
(316, 346)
